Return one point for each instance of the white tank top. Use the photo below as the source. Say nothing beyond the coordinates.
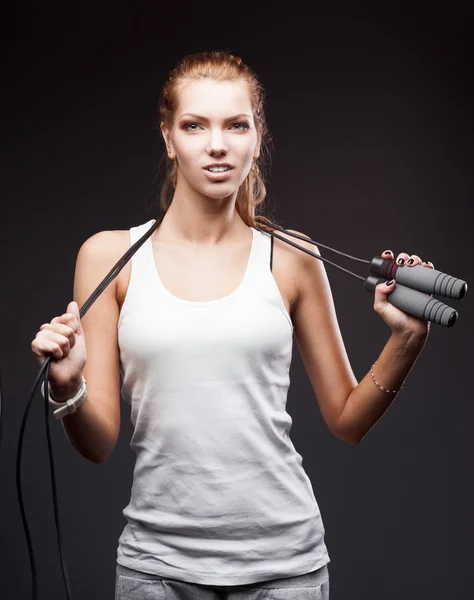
(219, 495)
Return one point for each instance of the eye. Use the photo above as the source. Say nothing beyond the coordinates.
(244, 126)
(186, 126)
(192, 126)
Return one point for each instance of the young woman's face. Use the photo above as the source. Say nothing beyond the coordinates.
(213, 125)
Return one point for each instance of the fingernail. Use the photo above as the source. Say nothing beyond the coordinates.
(387, 283)
(386, 252)
(401, 261)
(410, 262)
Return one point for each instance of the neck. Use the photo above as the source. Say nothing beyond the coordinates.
(202, 221)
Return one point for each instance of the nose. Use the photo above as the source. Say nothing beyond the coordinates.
(217, 143)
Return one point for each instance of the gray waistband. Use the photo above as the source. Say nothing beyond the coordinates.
(312, 579)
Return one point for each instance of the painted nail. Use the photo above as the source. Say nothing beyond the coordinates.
(410, 262)
(401, 261)
(386, 252)
(387, 283)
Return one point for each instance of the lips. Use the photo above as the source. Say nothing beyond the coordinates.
(219, 175)
(218, 165)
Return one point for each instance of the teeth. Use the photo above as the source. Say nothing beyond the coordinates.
(218, 169)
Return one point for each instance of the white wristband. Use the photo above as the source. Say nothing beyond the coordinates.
(70, 405)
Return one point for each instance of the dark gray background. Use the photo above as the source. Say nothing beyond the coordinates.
(373, 127)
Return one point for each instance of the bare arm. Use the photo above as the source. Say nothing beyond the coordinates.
(94, 428)
(367, 403)
(350, 408)
(320, 341)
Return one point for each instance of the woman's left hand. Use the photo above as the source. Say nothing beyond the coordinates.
(398, 320)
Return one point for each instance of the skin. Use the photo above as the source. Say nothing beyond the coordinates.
(203, 216)
(203, 211)
(398, 320)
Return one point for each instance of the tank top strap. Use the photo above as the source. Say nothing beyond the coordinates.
(271, 253)
(264, 250)
(141, 273)
(141, 262)
(264, 280)
(139, 231)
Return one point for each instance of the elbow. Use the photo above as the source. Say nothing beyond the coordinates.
(346, 436)
(93, 457)
(347, 439)
(343, 430)
(99, 459)
(96, 457)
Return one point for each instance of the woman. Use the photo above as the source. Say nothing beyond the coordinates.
(200, 325)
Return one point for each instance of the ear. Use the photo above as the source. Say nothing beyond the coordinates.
(256, 153)
(167, 138)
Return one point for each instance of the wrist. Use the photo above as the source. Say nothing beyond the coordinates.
(64, 392)
(409, 339)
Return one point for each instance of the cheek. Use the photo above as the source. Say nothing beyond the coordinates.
(244, 149)
(187, 152)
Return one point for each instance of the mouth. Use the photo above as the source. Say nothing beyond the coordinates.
(218, 172)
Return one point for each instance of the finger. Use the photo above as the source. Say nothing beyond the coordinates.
(68, 319)
(55, 344)
(46, 348)
(386, 287)
(402, 258)
(61, 341)
(60, 329)
(387, 254)
(414, 260)
(428, 264)
(64, 318)
(381, 292)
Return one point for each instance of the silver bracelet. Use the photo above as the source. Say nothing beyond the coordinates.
(379, 386)
(71, 404)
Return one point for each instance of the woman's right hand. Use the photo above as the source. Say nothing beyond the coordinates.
(62, 339)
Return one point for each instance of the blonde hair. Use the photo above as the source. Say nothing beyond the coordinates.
(220, 66)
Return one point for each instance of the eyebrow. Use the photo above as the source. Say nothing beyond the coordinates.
(201, 118)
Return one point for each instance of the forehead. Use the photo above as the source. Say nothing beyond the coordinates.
(216, 99)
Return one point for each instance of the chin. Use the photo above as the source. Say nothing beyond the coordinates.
(218, 191)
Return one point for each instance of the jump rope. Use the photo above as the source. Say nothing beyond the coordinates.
(412, 294)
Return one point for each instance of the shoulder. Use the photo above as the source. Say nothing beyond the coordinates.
(301, 260)
(105, 244)
(296, 263)
(99, 254)
(303, 243)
